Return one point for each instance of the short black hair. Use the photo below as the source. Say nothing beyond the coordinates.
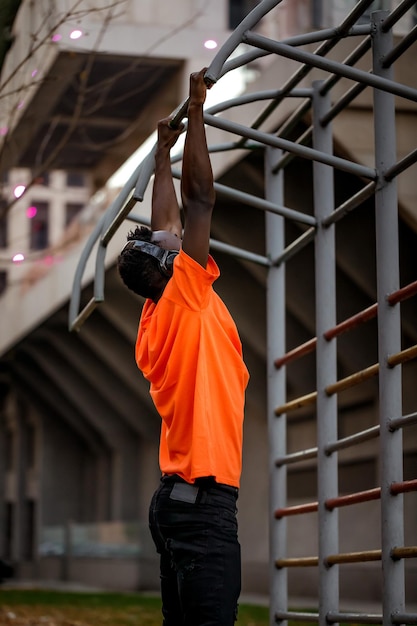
(139, 271)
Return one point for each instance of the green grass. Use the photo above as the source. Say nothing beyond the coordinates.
(56, 608)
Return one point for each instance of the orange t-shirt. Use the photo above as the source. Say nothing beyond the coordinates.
(189, 349)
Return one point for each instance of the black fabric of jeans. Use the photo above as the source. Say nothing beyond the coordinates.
(195, 532)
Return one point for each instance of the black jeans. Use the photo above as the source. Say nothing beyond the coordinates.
(194, 528)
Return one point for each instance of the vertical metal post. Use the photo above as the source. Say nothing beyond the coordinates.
(389, 326)
(275, 306)
(326, 357)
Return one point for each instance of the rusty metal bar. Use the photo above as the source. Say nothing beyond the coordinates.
(402, 294)
(403, 356)
(353, 498)
(406, 552)
(298, 509)
(354, 557)
(306, 400)
(352, 322)
(307, 561)
(403, 487)
(301, 350)
(353, 379)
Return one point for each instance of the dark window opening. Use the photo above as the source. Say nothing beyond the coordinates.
(3, 223)
(3, 281)
(39, 227)
(75, 179)
(72, 209)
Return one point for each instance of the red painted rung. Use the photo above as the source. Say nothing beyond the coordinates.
(353, 498)
(304, 348)
(403, 293)
(299, 509)
(407, 485)
(352, 322)
(348, 324)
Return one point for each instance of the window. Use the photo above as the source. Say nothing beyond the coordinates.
(3, 223)
(39, 227)
(71, 211)
(75, 179)
(29, 512)
(3, 281)
(238, 9)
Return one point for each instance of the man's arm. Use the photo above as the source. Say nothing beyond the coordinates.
(197, 190)
(165, 209)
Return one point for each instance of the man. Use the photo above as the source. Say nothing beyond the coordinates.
(189, 349)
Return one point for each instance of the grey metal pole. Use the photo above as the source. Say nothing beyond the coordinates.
(276, 393)
(389, 326)
(326, 358)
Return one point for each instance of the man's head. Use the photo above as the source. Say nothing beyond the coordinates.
(145, 263)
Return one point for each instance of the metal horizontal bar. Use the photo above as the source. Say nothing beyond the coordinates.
(352, 322)
(264, 205)
(353, 379)
(354, 618)
(406, 420)
(403, 356)
(353, 557)
(402, 294)
(296, 457)
(353, 498)
(121, 215)
(342, 103)
(299, 351)
(258, 203)
(214, 71)
(308, 561)
(303, 140)
(295, 616)
(400, 48)
(84, 314)
(310, 398)
(332, 66)
(256, 96)
(294, 247)
(239, 253)
(352, 440)
(397, 14)
(404, 618)
(351, 59)
(401, 166)
(352, 203)
(408, 552)
(404, 487)
(284, 144)
(298, 509)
